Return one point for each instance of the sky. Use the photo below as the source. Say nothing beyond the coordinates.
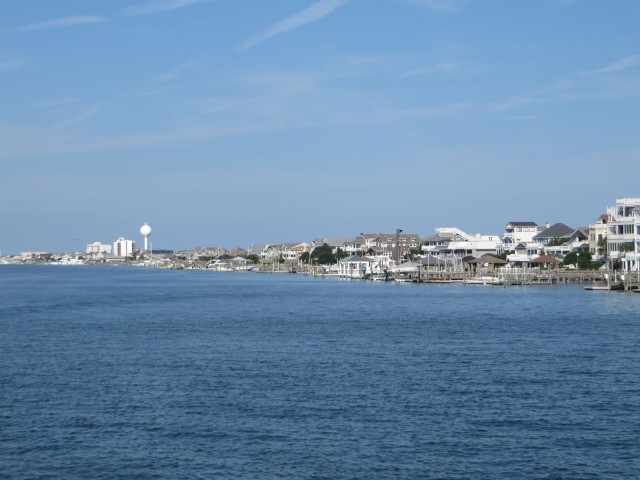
(233, 122)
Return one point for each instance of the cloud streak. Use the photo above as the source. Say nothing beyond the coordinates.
(311, 14)
(567, 3)
(60, 23)
(442, 67)
(10, 65)
(79, 118)
(618, 66)
(159, 6)
(441, 5)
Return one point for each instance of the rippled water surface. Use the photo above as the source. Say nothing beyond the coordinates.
(133, 373)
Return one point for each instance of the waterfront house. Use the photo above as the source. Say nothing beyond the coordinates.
(208, 252)
(259, 249)
(553, 235)
(598, 236)
(623, 237)
(519, 232)
(579, 240)
(291, 252)
(355, 266)
(453, 241)
(391, 245)
(240, 263)
(437, 243)
(348, 245)
(236, 252)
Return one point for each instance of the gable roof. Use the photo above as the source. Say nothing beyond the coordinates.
(558, 230)
(580, 232)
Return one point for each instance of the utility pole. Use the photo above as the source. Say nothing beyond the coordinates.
(398, 232)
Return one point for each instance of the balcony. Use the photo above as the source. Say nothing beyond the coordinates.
(621, 237)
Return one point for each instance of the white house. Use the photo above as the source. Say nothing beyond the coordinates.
(453, 241)
(623, 237)
(355, 267)
(597, 234)
(519, 232)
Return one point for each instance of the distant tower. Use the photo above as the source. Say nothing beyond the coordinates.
(145, 231)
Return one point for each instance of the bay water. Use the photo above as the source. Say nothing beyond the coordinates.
(116, 372)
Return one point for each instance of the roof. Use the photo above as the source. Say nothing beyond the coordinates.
(489, 259)
(334, 241)
(523, 224)
(558, 230)
(584, 232)
(545, 259)
(391, 235)
(355, 258)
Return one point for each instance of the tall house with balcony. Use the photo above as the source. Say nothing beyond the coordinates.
(623, 238)
(520, 232)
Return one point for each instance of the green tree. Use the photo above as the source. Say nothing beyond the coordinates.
(253, 257)
(584, 260)
(340, 254)
(555, 242)
(626, 247)
(602, 247)
(305, 257)
(503, 255)
(323, 255)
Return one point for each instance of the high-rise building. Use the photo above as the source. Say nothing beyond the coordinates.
(123, 247)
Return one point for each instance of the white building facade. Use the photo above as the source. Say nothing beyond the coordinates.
(453, 241)
(623, 237)
(123, 247)
(96, 248)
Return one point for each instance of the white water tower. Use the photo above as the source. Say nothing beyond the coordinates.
(145, 231)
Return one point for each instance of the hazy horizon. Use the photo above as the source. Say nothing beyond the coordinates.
(232, 123)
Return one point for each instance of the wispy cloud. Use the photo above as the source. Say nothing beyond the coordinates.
(56, 102)
(9, 65)
(314, 13)
(527, 118)
(159, 6)
(174, 73)
(567, 3)
(60, 23)
(217, 106)
(442, 5)
(79, 118)
(441, 67)
(618, 66)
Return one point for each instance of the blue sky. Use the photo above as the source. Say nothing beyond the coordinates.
(232, 122)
